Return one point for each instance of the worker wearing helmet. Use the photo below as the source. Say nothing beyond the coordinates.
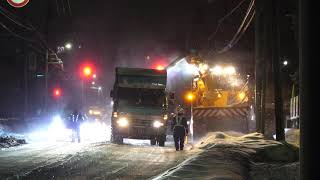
(180, 128)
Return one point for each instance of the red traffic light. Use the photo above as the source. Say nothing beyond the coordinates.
(160, 67)
(57, 92)
(87, 71)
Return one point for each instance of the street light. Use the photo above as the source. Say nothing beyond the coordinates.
(68, 46)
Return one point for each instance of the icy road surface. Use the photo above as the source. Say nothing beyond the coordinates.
(66, 160)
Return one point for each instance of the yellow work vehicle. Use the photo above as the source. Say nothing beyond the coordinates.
(220, 100)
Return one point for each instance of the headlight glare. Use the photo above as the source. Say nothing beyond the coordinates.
(165, 117)
(123, 122)
(157, 124)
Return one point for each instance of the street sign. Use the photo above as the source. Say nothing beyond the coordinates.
(18, 3)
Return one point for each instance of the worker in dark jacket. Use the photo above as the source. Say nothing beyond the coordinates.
(180, 128)
(76, 120)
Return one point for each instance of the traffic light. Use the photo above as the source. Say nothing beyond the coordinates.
(160, 67)
(57, 92)
(87, 71)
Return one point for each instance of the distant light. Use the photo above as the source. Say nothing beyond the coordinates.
(241, 95)
(40, 75)
(230, 70)
(94, 76)
(203, 68)
(157, 124)
(99, 88)
(68, 45)
(93, 83)
(111, 103)
(235, 82)
(219, 95)
(285, 63)
(217, 70)
(160, 67)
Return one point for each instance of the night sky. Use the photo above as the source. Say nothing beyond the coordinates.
(120, 33)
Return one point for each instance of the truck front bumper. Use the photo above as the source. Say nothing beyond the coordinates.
(139, 132)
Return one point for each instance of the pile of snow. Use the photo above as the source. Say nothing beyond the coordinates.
(10, 141)
(236, 156)
(293, 136)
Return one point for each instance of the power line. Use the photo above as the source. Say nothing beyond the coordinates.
(70, 12)
(241, 30)
(57, 6)
(5, 13)
(245, 28)
(225, 17)
(239, 33)
(8, 15)
(15, 34)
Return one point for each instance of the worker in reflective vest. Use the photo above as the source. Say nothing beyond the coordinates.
(180, 128)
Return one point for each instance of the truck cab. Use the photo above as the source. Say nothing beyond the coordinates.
(140, 108)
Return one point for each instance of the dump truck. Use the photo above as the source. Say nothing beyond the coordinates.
(140, 105)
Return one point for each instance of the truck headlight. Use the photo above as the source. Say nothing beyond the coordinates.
(157, 124)
(123, 122)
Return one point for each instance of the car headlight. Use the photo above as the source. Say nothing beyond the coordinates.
(123, 122)
(157, 124)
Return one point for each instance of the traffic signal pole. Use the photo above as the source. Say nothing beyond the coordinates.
(46, 81)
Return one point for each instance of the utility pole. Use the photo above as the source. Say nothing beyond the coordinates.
(306, 126)
(278, 100)
(258, 64)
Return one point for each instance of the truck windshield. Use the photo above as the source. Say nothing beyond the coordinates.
(141, 97)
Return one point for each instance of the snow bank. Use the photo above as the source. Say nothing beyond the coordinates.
(236, 156)
(293, 136)
(6, 142)
(9, 139)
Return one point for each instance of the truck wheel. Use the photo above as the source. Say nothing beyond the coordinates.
(117, 139)
(161, 140)
(161, 143)
(153, 141)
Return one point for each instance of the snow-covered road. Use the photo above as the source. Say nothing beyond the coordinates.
(65, 160)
